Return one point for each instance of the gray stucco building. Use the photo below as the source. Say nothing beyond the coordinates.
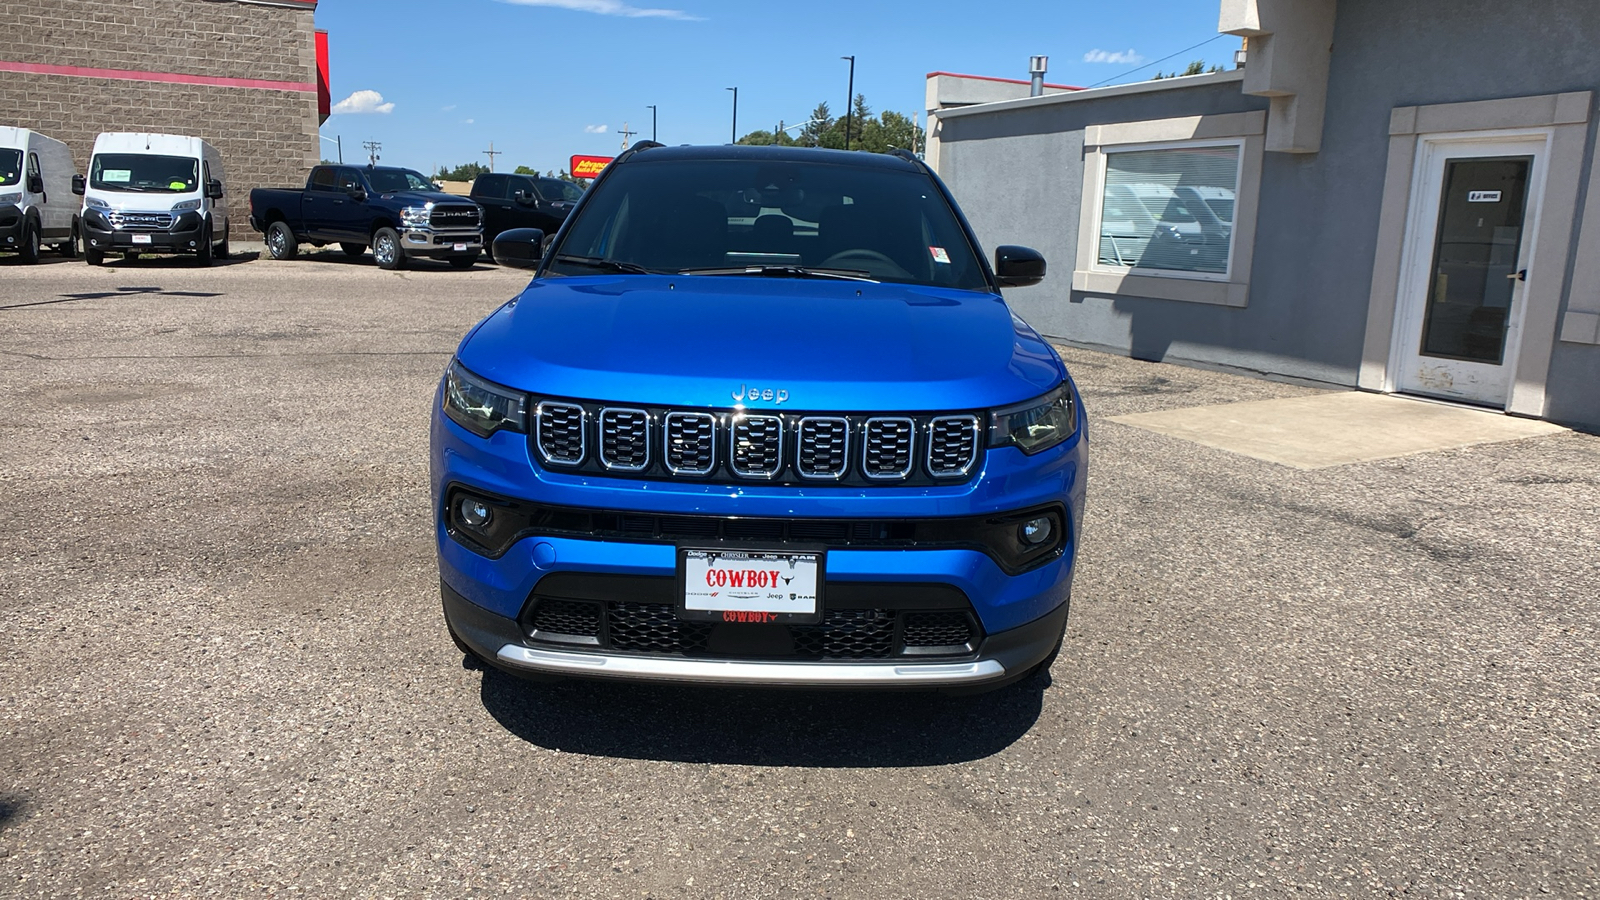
(1391, 194)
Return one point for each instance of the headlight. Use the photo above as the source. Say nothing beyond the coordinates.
(95, 203)
(10, 198)
(416, 216)
(185, 206)
(480, 406)
(1036, 425)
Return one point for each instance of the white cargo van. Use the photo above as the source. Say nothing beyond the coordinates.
(36, 202)
(153, 193)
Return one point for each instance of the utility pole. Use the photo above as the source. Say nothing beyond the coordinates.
(492, 153)
(652, 123)
(735, 115)
(626, 134)
(849, 100)
(372, 148)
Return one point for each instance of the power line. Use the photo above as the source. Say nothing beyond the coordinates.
(1161, 60)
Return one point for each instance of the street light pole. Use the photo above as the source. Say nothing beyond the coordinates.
(652, 122)
(849, 100)
(735, 115)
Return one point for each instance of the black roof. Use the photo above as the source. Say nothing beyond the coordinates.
(784, 154)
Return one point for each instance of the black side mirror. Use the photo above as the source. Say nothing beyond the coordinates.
(35, 184)
(214, 189)
(1018, 266)
(78, 185)
(358, 195)
(520, 248)
(523, 197)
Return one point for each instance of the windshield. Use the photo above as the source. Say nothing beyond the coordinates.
(555, 189)
(10, 167)
(388, 181)
(144, 173)
(707, 214)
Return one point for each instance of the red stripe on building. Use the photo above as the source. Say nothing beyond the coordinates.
(304, 87)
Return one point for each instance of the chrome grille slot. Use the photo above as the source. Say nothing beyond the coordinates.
(886, 451)
(624, 439)
(952, 446)
(691, 443)
(756, 449)
(560, 437)
(824, 449)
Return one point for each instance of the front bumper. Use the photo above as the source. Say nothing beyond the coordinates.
(11, 221)
(185, 236)
(998, 659)
(427, 243)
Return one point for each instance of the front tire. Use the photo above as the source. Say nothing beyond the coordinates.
(464, 262)
(30, 243)
(70, 248)
(223, 251)
(93, 257)
(281, 244)
(203, 252)
(354, 251)
(387, 250)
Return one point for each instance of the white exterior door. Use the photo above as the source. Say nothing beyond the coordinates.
(1469, 253)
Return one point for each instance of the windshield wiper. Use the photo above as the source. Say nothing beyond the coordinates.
(610, 265)
(785, 272)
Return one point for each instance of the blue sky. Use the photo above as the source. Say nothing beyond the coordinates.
(544, 79)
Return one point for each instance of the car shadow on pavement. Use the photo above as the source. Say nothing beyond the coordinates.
(10, 808)
(177, 261)
(813, 729)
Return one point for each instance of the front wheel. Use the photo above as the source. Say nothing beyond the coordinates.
(464, 262)
(281, 244)
(387, 250)
(202, 252)
(223, 251)
(94, 257)
(30, 243)
(70, 248)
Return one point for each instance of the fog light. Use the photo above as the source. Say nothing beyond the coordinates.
(1037, 531)
(474, 513)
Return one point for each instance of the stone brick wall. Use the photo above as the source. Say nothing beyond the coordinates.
(268, 138)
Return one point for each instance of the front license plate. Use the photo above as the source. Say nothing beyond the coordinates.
(459, 247)
(141, 239)
(751, 586)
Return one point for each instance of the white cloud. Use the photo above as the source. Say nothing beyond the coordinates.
(609, 8)
(469, 121)
(596, 129)
(1121, 57)
(363, 102)
(447, 108)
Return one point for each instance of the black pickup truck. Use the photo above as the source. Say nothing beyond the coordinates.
(399, 213)
(523, 201)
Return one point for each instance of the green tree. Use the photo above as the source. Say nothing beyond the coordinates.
(524, 170)
(462, 173)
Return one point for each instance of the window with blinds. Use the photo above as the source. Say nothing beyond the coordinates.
(1170, 210)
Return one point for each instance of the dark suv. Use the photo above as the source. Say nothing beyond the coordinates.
(523, 201)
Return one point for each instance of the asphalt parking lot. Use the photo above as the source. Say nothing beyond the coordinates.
(225, 672)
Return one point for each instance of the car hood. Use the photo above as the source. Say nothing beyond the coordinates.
(418, 198)
(703, 341)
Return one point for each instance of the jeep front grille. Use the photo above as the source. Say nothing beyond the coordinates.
(738, 446)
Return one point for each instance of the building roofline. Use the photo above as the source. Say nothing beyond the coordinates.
(1059, 87)
(1077, 96)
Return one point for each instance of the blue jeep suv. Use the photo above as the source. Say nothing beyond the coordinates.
(763, 418)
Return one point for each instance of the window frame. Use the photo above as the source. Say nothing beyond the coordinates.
(1247, 132)
(1099, 211)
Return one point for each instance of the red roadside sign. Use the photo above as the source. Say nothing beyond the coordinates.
(589, 166)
